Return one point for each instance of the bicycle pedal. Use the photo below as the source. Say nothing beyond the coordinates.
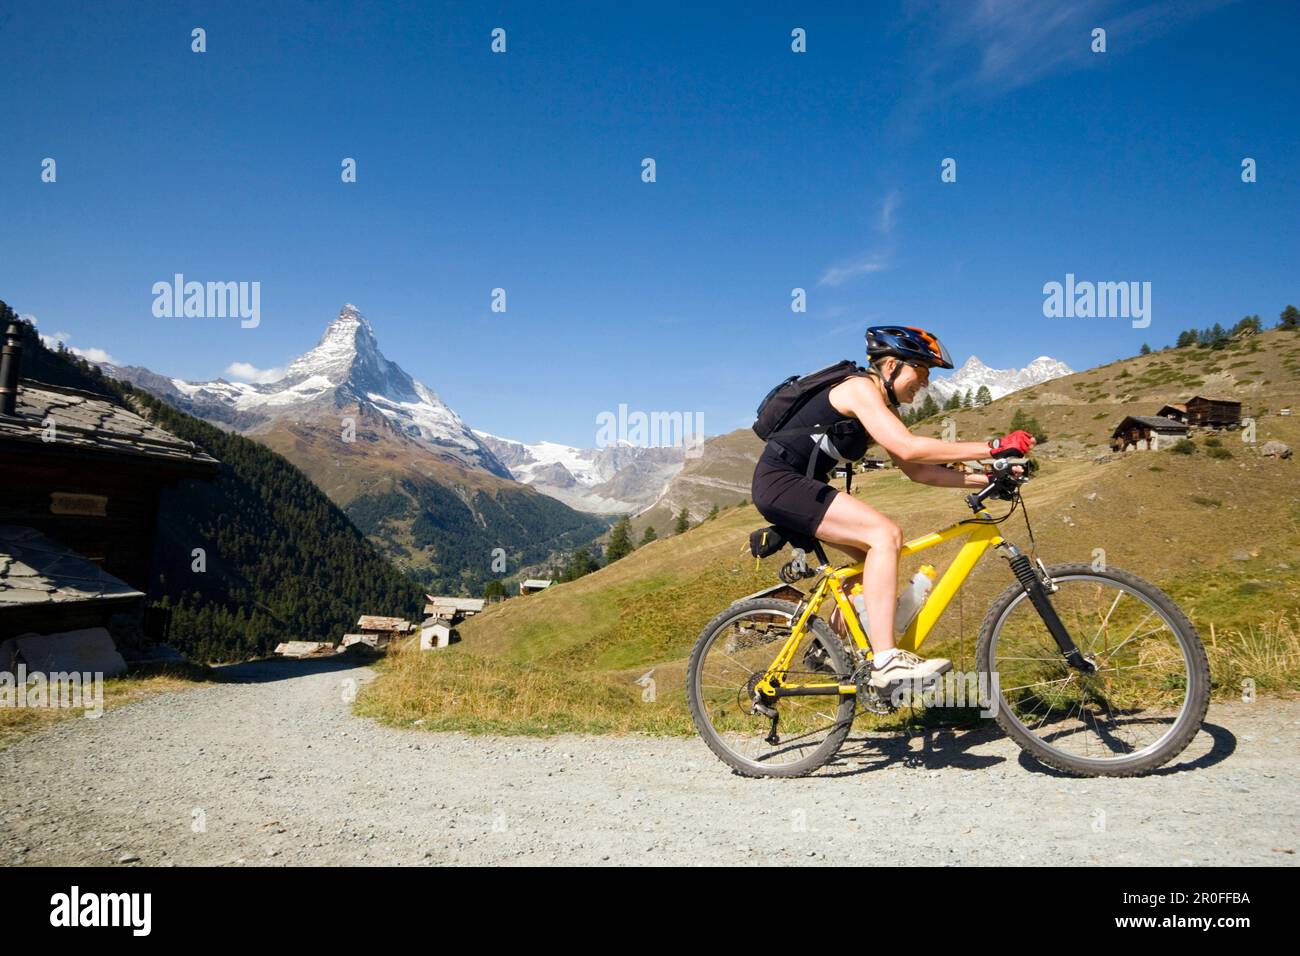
(869, 698)
(873, 703)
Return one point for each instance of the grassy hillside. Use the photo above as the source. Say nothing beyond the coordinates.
(1221, 535)
(1080, 411)
(719, 476)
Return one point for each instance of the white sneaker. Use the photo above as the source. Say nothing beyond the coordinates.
(904, 666)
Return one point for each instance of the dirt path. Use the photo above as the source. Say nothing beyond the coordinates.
(275, 770)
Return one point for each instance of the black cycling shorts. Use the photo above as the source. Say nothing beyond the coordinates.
(788, 498)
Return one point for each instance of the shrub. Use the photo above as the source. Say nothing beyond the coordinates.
(1218, 451)
(1183, 446)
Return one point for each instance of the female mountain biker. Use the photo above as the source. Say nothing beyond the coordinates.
(790, 486)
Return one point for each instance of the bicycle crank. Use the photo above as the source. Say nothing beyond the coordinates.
(869, 698)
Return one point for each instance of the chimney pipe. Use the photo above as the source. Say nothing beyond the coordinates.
(10, 361)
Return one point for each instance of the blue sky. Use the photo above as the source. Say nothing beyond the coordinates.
(522, 170)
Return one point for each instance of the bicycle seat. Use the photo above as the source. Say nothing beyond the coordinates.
(768, 541)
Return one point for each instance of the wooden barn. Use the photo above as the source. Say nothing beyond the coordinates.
(377, 632)
(1177, 411)
(1147, 433)
(1213, 412)
(82, 479)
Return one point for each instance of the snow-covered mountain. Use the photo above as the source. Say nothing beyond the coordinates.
(975, 373)
(345, 370)
(616, 479)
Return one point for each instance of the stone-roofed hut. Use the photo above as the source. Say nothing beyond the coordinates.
(82, 479)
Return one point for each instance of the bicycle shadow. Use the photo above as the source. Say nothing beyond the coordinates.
(941, 745)
(951, 745)
(1223, 744)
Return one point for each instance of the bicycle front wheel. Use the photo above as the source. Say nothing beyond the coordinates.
(732, 654)
(1140, 709)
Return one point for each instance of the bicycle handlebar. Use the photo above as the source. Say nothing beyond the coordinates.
(1001, 480)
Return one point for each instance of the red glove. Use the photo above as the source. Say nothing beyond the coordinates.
(1015, 444)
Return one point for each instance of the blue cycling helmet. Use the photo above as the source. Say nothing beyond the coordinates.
(907, 343)
(910, 345)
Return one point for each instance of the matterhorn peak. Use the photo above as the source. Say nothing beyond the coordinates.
(350, 321)
(345, 369)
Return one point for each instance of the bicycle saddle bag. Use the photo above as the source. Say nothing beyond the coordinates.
(766, 542)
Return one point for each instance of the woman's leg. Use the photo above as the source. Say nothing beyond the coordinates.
(855, 524)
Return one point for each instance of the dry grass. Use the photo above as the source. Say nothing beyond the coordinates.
(1267, 655)
(118, 692)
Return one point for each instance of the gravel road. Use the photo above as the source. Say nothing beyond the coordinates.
(272, 768)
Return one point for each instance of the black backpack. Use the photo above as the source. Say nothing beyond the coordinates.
(781, 404)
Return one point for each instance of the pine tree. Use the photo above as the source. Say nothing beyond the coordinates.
(494, 590)
(953, 402)
(582, 563)
(983, 396)
(648, 536)
(1145, 350)
(928, 407)
(1020, 421)
(968, 399)
(683, 522)
(620, 540)
(713, 513)
(1289, 318)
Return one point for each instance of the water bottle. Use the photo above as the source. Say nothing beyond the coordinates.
(913, 597)
(859, 604)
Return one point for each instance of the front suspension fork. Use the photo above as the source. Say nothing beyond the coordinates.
(1028, 577)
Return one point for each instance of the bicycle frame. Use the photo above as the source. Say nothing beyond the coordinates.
(981, 533)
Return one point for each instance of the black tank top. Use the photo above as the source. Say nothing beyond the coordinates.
(838, 438)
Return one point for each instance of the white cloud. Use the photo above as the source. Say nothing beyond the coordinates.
(95, 356)
(840, 274)
(247, 372)
(996, 46)
(888, 210)
(879, 259)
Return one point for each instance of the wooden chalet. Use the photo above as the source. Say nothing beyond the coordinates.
(1147, 432)
(453, 608)
(78, 514)
(1213, 412)
(533, 585)
(378, 632)
(1176, 411)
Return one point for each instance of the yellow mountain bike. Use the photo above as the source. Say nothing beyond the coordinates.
(1092, 670)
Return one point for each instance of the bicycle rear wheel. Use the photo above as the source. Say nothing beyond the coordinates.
(732, 654)
(1141, 708)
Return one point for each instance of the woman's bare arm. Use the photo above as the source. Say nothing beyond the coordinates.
(861, 399)
(940, 476)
